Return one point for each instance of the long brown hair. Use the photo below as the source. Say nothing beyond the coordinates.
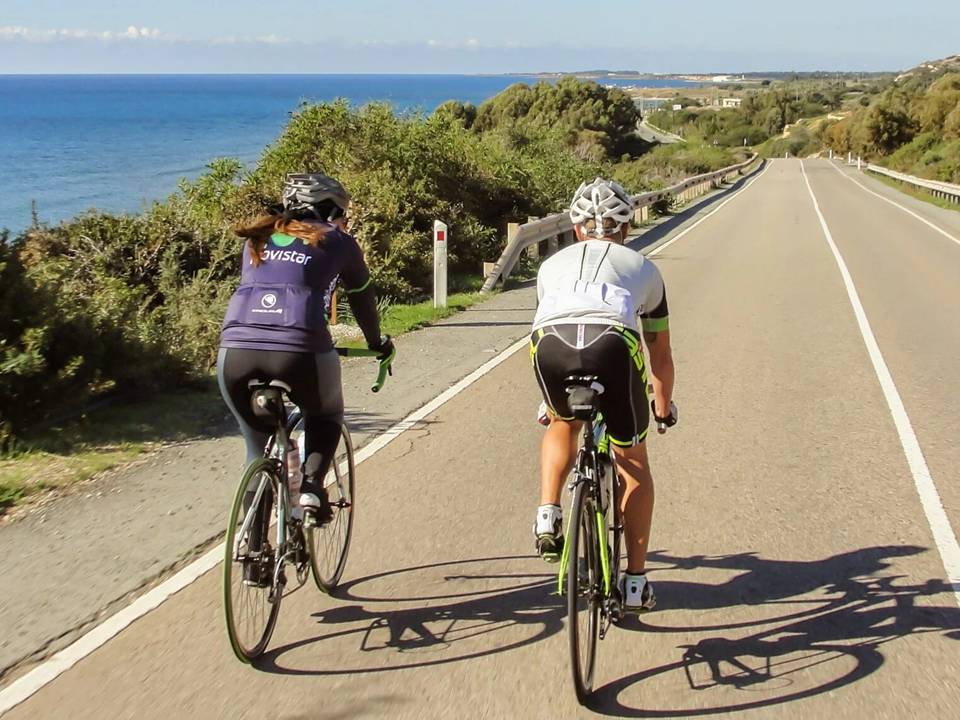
(259, 231)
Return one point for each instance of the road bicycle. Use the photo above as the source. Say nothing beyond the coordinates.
(254, 568)
(590, 563)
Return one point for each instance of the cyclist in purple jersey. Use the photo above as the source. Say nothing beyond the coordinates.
(276, 322)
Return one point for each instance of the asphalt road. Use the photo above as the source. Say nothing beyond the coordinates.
(796, 571)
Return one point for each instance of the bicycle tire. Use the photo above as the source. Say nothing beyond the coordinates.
(330, 543)
(583, 591)
(252, 605)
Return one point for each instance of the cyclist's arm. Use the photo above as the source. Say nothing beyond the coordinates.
(361, 295)
(656, 334)
(661, 370)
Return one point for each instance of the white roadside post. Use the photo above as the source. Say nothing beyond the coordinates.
(440, 239)
(858, 162)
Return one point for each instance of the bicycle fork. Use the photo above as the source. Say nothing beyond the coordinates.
(602, 546)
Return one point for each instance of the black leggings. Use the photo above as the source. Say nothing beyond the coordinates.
(314, 380)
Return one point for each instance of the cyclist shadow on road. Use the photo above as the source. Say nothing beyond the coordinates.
(462, 603)
(848, 610)
(362, 423)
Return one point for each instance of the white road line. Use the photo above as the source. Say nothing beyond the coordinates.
(417, 415)
(943, 534)
(896, 204)
(22, 688)
(659, 248)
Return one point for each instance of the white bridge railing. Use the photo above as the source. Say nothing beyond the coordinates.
(557, 229)
(946, 191)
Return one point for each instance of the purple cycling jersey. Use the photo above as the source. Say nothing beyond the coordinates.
(282, 303)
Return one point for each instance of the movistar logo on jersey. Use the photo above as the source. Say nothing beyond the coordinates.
(286, 256)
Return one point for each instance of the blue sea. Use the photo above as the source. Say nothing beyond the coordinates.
(118, 142)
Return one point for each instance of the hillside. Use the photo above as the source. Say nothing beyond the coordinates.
(932, 69)
(912, 125)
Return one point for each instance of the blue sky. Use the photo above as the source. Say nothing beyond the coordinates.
(452, 36)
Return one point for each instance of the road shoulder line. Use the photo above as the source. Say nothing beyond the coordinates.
(943, 534)
(896, 204)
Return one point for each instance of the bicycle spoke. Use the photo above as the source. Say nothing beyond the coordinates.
(329, 544)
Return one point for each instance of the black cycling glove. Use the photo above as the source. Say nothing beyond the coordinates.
(384, 348)
(668, 421)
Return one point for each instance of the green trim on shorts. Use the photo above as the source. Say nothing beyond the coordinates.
(630, 443)
(636, 350)
(533, 346)
(655, 324)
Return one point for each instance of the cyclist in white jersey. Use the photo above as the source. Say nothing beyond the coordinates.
(591, 297)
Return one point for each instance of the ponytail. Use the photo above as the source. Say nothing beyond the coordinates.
(258, 233)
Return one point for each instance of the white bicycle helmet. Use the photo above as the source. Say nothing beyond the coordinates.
(320, 194)
(601, 208)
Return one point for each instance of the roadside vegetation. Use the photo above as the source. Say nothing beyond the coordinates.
(770, 118)
(912, 125)
(909, 123)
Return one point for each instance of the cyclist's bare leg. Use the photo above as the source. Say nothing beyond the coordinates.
(557, 454)
(636, 503)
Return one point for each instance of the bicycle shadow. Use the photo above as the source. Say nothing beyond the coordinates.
(863, 611)
(452, 617)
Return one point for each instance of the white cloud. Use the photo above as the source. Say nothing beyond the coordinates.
(260, 39)
(133, 32)
(468, 44)
(136, 33)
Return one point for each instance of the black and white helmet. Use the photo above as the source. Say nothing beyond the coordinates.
(601, 207)
(320, 194)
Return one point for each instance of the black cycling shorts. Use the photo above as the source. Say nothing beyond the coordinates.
(614, 355)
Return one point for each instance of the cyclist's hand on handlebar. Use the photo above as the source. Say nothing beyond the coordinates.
(386, 352)
(665, 422)
(384, 348)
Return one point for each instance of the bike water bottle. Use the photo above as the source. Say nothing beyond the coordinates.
(294, 476)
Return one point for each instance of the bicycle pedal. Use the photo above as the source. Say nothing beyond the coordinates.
(615, 607)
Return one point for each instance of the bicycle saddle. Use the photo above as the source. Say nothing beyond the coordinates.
(267, 399)
(582, 392)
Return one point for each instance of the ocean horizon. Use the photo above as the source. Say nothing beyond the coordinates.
(119, 142)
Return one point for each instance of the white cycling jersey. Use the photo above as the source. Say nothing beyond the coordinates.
(597, 282)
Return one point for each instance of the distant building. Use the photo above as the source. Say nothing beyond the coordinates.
(731, 102)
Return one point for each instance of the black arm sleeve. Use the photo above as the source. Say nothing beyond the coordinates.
(364, 306)
(360, 293)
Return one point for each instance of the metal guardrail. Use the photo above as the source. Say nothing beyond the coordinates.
(558, 229)
(947, 191)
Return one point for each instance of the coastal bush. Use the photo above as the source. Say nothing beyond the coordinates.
(594, 118)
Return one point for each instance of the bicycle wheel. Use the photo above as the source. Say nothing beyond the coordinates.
(329, 544)
(583, 591)
(251, 603)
